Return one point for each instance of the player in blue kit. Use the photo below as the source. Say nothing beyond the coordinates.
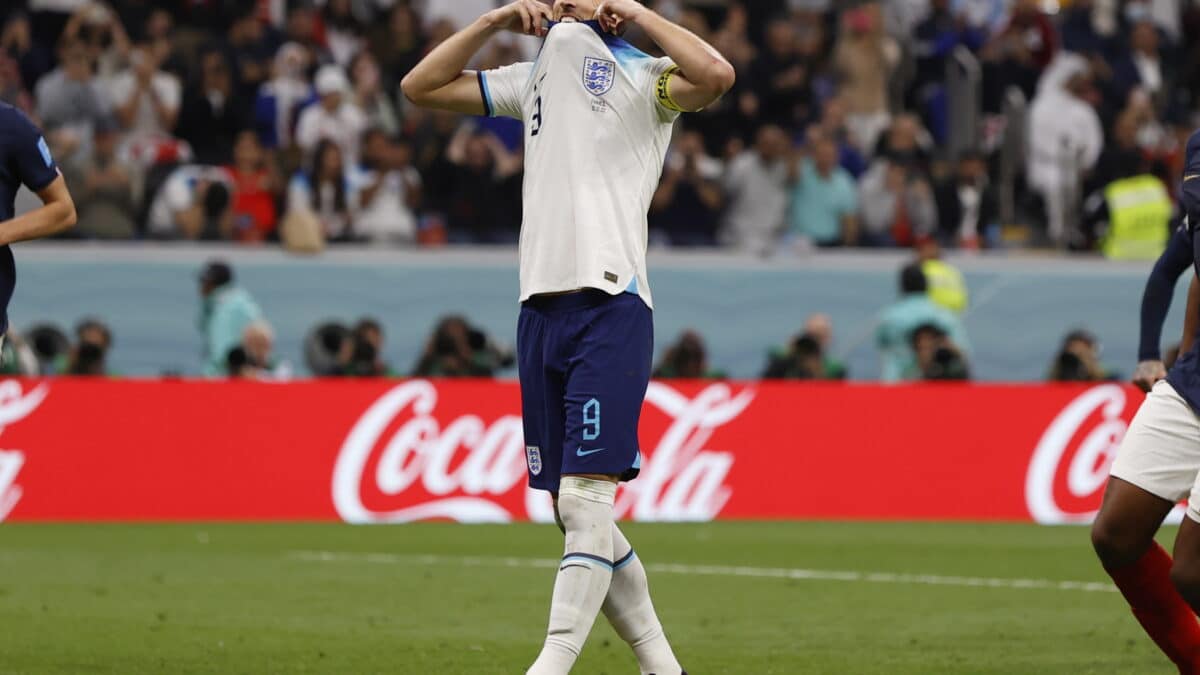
(598, 115)
(1158, 462)
(25, 160)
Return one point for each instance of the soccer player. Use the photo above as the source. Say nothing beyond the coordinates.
(1158, 462)
(598, 115)
(25, 160)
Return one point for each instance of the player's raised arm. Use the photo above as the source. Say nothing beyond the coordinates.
(1156, 301)
(704, 75)
(441, 80)
(56, 214)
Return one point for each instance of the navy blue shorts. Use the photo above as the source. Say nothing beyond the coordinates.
(584, 361)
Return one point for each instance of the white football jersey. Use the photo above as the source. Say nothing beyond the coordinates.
(596, 135)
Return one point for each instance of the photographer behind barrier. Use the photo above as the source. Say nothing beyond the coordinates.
(456, 349)
(937, 357)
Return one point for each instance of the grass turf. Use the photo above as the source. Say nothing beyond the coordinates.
(210, 598)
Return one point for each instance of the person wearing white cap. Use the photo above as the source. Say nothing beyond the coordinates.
(335, 116)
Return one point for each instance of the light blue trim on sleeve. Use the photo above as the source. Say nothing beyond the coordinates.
(487, 94)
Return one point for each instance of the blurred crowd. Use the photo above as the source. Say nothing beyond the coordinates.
(920, 336)
(282, 121)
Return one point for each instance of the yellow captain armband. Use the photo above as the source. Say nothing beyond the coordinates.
(662, 90)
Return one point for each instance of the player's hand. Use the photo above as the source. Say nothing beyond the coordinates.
(616, 15)
(1148, 373)
(523, 16)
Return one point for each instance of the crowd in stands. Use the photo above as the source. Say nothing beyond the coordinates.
(282, 120)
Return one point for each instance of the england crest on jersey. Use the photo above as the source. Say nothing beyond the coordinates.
(598, 75)
(533, 456)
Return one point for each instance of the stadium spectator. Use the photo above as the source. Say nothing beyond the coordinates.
(89, 355)
(756, 183)
(70, 102)
(824, 203)
(1078, 360)
(32, 60)
(686, 208)
(397, 44)
(335, 117)
(687, 359)
(1140, 67)
(802, 360)
(12, 90)
(369, 96)
(144, 97)
(343, 31)
(896, 205)
(100, 30)
(226, 310)
(17, 356)
(254, 357)
(1019, 53)
(388, 191)
(361, 353)
(906, 141)
(864, 60)
(934, 39)
(1065, 139)
(455, 350)
(255, 183)
(301, 26)
(323, 191)
(778, 79)
(249, 49)
(832, 126)
(158, 30)
(485, 201)
(1122, 156)
(946, 284)
(820, 327)
(102, 187)
(936, 356)
(967, 204)
(276, 106)
(193, 203)
(897, 322)
(213, 111)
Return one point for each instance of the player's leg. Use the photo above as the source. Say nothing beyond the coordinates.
(1155, 466)
(584, 509)
(631, 612)
(584, 503)
(604, 404)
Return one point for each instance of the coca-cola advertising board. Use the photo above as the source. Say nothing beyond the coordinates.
(389, 452)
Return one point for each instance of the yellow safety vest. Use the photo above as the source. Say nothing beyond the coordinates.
(946, 285)
(1139, 214)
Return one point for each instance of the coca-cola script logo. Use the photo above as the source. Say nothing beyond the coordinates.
(681, 478)
(14, 405)
(1087, 463)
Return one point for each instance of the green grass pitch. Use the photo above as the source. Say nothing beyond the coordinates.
(441, 599)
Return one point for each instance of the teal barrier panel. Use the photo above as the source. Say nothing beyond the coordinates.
(1020, 308)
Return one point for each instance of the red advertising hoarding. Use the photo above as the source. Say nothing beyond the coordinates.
(386, 451)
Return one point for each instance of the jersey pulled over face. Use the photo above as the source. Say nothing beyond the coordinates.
(597, 127)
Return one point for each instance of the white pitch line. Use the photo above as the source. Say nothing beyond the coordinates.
(719, 571)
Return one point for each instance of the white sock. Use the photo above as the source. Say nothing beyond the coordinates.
(585, 507)
(631, 613)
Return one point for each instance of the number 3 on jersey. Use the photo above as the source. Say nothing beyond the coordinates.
(535, 122)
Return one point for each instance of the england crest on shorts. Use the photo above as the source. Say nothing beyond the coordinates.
(598, 75)
(533, 456)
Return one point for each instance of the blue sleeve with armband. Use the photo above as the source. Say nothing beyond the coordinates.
(1160, 287)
